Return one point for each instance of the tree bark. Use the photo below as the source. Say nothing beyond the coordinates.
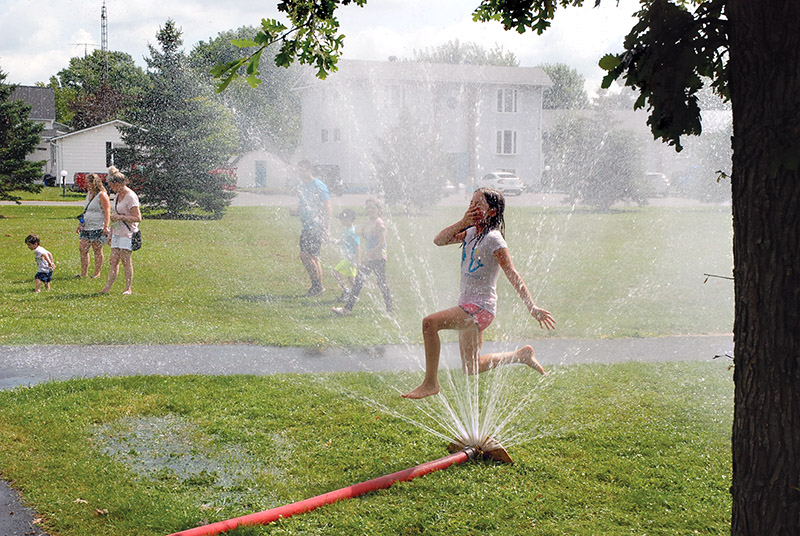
(765, 92)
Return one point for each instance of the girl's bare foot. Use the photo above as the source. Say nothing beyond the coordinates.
(127, 292)
(525, 355)
(105, 290)
(422, 391)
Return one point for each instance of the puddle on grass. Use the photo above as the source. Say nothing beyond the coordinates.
(172, 448)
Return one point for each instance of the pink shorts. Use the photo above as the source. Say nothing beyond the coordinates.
(481, 316)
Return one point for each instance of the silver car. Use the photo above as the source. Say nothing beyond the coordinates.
(503, 181)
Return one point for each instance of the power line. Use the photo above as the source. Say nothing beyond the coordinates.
(85, 47)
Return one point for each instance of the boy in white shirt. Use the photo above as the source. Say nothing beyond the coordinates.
(44, 263)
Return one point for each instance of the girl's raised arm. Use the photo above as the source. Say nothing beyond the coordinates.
(542, 316)
(454, 234)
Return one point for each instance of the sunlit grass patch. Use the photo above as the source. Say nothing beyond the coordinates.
(610, 449)
(630, 273)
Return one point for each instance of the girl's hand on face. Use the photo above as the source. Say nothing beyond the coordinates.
(473, 215)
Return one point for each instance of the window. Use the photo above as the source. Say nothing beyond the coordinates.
(324, 135)
(337, 134)
(507, 101)
(506, 142)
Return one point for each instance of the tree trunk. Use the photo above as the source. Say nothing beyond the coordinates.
(765, 92)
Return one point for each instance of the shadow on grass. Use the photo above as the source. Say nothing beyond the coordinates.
(151, 215)
(69, 296)
(265, 298)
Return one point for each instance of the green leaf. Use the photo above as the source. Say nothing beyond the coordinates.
(243, 43)
(220, 69)
(609, 62)
(253, 80)
(608, 80)
(272, 26)
(223, 85)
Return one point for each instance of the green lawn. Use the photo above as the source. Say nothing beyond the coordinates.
(608, 450)
(600, 450)
(632, 273)
(51, 193)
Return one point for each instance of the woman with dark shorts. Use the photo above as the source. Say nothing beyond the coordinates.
(94, 226)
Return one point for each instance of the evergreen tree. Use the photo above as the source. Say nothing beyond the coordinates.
(19, 137)
(179, 136)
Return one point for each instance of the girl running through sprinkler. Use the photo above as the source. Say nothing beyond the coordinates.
(484, 254)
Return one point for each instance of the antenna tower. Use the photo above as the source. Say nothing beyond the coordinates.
(104, 40)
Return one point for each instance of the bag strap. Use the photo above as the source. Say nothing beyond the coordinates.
(86, 206)
(116, 200)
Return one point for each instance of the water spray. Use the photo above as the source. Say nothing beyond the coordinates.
(490, 449)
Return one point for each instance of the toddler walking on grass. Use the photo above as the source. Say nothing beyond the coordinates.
(44, 263)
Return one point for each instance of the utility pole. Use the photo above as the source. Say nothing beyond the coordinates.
(104, 41)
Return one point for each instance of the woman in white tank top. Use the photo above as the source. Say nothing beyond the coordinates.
(94, 225)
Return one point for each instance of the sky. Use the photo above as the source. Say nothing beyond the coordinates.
(38, 37)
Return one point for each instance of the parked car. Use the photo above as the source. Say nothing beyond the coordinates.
(502, 181)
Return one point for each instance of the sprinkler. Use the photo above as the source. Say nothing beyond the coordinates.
(489, 449)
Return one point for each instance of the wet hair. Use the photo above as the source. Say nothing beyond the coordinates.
(32, 239)
(305, 165)
(496, 201)
(347, 215)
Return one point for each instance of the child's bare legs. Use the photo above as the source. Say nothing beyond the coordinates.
(522, 355)
(113, 269)
(314, 270)
(453, 318)
(38, 285)
(345, 283)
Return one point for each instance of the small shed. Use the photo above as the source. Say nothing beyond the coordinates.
(261, 169)
(90, 150)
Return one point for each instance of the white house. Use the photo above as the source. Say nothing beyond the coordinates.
(488, 118)
(90, 150)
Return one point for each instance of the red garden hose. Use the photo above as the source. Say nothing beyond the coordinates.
(301, 507)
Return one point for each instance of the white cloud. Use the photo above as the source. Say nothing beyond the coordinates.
(36, 37)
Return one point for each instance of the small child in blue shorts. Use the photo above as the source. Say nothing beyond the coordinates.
(346, 269)
(44, 262)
